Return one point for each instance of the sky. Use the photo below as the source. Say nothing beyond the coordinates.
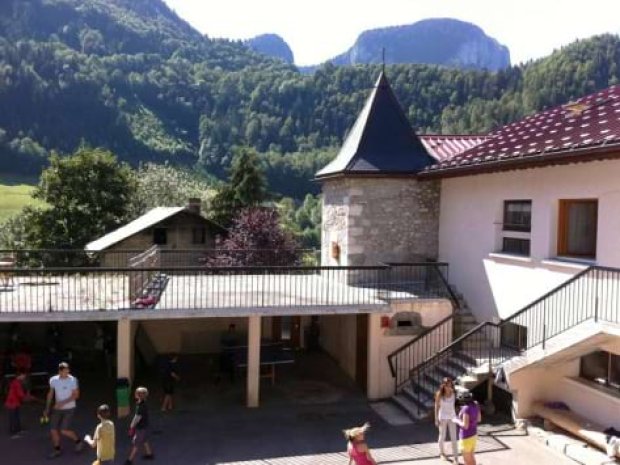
(317, 30)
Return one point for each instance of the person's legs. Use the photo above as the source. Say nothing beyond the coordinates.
(455, 449)
(148, 452)
(14, 423)
(442, 436)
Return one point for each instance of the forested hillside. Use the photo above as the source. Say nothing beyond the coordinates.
(130, 76)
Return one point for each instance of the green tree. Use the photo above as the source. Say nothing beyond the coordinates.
(168, 186)
(88, 194)
(246, 187)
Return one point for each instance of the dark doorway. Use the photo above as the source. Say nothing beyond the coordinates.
(361, 362)
(287, 329)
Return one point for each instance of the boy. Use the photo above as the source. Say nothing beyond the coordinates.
(104, 438)
(14, 399)
(138, 429)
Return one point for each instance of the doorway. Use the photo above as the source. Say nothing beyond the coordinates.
(287, 329)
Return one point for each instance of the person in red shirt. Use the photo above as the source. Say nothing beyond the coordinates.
(14, 399)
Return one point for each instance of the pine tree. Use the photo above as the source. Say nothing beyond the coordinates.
(246, 187)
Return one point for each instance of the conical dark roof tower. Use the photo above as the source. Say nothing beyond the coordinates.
(381, 141)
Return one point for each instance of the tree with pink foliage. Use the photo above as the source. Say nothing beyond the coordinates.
(256, 238)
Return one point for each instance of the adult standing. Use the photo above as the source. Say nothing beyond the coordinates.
(60, 407)
(170, 376)
(445, 413)
(468, 419)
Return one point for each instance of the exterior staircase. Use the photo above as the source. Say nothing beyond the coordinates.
(467, 367)
(473, 352)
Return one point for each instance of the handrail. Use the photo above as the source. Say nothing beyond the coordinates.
(591, 290)
(477, 329)
(393, 354)
(453, 298)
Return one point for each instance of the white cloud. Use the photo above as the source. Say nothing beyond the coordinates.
(319, 29)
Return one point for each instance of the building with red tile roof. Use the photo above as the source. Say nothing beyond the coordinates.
(588, 128)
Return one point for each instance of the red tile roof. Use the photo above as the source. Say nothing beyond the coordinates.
(574, 131)
(444, 147)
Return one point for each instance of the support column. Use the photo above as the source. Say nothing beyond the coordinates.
(253, 381)
(375, 374)
(125, 335)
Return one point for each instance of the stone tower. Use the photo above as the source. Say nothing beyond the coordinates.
(374, 208)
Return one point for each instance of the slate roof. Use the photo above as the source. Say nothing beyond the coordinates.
(381, 141)
(150, 218)
(586, 128)
(446, 146)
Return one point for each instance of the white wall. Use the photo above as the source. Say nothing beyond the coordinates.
(470, 229)
(383, 341)
(557, 383)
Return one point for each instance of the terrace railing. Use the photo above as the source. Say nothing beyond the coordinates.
(46, 258)
(73, 289)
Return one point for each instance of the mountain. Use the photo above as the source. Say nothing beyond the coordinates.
(271, 45)
(132, 77)
(440, 41)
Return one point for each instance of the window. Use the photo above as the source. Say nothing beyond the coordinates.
(160, 236)
(577, 228)
(199, 235)
(602, 368)
(516, 246)
(517, 215)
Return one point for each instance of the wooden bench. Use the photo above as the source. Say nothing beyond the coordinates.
(575, 424)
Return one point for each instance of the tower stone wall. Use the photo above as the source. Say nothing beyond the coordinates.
(371, 220)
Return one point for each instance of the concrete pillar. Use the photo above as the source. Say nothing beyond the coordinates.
(374, 357)
(253, 381)
(125, 335)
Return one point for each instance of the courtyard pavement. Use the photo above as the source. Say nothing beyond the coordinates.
(300, 422)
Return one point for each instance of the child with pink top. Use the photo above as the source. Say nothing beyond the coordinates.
(356, 446)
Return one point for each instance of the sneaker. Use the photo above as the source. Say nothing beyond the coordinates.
(79, 446)
(148, 457)
(55, 453)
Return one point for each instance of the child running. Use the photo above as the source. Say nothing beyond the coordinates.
(356, 446)
(104, 438)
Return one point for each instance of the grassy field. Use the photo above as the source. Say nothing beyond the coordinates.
(15, 193)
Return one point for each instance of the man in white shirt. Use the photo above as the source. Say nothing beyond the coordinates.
(64, 391)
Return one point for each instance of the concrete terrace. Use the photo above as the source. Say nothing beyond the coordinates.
(109, 295)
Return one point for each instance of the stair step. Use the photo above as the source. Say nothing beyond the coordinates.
(424, 399)
(409, 406)
(463, 358)
(448, 371)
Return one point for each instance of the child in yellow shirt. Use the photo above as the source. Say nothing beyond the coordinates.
(104, 438)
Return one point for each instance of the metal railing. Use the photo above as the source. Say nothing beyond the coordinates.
(72, 289)
(46, 258)
(591, 295)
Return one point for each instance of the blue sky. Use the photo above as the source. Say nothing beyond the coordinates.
(320, 29)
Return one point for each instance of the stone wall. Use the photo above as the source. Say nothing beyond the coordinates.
(372, 220)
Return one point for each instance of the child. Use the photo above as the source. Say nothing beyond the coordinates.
(14, 400)
(104, 438)
(468, 420)
(356, 446)
(138, 429)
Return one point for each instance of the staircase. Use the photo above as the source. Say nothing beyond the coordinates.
(467, 364)
(474, 352)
